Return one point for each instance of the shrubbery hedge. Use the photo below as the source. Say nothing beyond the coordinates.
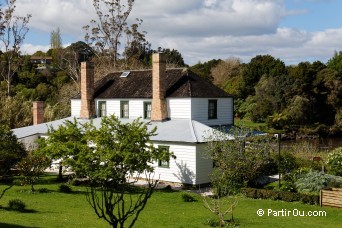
(256, 193)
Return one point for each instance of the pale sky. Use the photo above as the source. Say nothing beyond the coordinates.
(291, 30)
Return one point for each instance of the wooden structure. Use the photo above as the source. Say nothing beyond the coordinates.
(331, 197)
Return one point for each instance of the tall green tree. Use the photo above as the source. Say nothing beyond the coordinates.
(173, 58)
(204, 69)
(56, 39)
(11, 151)
(113, 156)
(257, 67)
(13, 30)
(335, 62)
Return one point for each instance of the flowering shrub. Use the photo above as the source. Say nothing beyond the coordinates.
(335, 161)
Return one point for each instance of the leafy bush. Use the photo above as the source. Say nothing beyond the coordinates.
(314, 181)
(64, 188)
(288, 162)
(16, 205)
(187, 197)
(290, 179)
(280, 195)
(335, 162)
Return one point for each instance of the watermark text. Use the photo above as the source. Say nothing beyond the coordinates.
(289, 213)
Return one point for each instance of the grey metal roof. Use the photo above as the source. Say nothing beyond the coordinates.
(177, 130)
(24, 132)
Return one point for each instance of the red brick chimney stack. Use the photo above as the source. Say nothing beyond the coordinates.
(87, 90)
(159, 106)
(38, 112)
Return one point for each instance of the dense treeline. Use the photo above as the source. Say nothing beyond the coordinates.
(303, 98)
(54, 78)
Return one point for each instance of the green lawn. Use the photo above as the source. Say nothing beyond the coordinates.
(165, 209)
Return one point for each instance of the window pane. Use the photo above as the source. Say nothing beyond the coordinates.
(124, 109)
(147, 110)
(102, 108)
(164, 163)
(212, 109)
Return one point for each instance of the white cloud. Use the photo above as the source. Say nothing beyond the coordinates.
(47, 15)
(199, 29)
(29, 49)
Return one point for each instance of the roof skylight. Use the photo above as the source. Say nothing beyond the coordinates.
(125, 74)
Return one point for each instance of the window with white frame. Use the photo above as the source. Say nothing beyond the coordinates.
(124, 109)
(147, 110)
(164, 163)
(102, 109)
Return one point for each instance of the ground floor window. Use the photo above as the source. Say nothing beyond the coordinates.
(164, 163)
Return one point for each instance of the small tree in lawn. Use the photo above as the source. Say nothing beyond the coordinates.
(221, 206)
(32, 167)
(238, 157)
(11, 152)
(67, 140)
(113, 156)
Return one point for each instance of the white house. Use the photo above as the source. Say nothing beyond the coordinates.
(183, 106)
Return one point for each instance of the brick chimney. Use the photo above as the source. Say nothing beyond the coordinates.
(87, 90)
(38, 112)
(159, 107)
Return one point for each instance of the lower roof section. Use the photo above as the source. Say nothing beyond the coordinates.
(176, 130)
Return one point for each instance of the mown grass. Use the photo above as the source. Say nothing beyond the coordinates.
(164, 209)
(247, 123)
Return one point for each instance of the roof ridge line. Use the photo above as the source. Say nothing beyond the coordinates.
(189, 84)
(193, 130)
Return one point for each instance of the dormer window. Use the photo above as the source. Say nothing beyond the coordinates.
(212, 109)
(124, 109)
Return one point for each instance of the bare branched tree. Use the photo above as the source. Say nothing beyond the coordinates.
(138, 49)
(110, 202)
(70, 58)
(226, 70)
(105, 33)
(13, 32)
(221, 206)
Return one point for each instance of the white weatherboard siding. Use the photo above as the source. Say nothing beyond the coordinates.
(199, 111)
(136, 107)
(204, 165)
(183, 168)
(112, 106)
(30, 141)
(75, 107)
(179, 108)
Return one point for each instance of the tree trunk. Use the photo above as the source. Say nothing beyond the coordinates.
(60, 173)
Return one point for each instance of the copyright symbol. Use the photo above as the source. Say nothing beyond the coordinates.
(260, 212)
